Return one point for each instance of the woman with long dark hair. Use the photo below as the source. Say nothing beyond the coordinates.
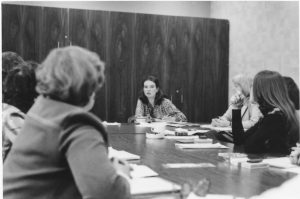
(153, 103)
(278, 130)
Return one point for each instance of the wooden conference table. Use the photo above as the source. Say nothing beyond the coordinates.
(225, 178)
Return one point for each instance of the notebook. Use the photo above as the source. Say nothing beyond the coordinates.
(124, 155)
(141, 171)
(201, 146)
(152, 185)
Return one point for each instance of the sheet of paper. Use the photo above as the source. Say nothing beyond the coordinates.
(141, 171)
(152, 185)
(213, 196)
(283, 162)
(188, 165)
(111, 123)
(201, 146)
(227, 129)
(124, 155)
(293, 170)
(171, 137)
(156, 125)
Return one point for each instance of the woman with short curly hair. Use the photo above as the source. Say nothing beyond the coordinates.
(61, 152)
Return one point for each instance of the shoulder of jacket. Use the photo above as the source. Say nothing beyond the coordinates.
(77, 120)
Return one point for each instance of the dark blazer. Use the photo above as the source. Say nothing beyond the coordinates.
(61, 153)
(269, 135)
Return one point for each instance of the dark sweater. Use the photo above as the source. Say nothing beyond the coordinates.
(269, 135)
(61, 153)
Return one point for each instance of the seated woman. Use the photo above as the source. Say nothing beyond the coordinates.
(152, 103)
(18, 96)
(61, 151)
(250, 112)
(278, 130)
(293, 91)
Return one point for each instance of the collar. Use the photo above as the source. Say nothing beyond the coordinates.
(52, 112)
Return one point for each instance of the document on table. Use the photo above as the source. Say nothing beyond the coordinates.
(201, 146)
(283, 162)
(174, 137)
(124, 155)
(141, 171)
(152, 185)
(216, 128)
(111, 123)
(213, 196)
(209, 126)
(188, 165)
(153, 124)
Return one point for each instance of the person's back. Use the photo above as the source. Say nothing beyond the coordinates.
(278, 130)
(18, 96)
(40, 152)
(61, 151)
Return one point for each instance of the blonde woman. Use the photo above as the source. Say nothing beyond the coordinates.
(250, 112)
(61, 151)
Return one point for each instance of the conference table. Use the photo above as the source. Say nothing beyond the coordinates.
(225, 178)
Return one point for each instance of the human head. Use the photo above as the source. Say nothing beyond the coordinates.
(293, 91)
(19, 87)
(243, 84)
(270, 91)
(152, 87)
(9, 61)
(71, 74)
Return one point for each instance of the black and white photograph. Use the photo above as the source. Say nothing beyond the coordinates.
(150, 99)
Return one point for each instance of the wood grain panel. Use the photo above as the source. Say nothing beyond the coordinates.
(121, 66)
(150, 44)
(79, 28)
(31, 22)
(98, 43)
(11, 28)
(210, 69)
(179, 61)
(53, 29)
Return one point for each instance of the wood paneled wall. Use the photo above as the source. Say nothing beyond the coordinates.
(188, 55)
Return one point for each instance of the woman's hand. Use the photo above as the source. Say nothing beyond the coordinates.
(220, 122)
(237, 101)
(295, 156)
(122, 167)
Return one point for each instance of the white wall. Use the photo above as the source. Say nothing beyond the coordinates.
(176, 8)
(263, 35)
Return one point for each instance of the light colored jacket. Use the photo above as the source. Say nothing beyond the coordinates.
(250, 114)
(52, 160)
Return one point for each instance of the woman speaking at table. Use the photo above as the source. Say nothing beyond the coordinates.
(152, 103)
(278, 130)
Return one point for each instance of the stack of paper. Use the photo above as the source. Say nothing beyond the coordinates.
(124, 155)
(201, 146)
(152, 185)
(141, 171)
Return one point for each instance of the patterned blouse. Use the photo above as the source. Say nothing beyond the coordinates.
(166, 108)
